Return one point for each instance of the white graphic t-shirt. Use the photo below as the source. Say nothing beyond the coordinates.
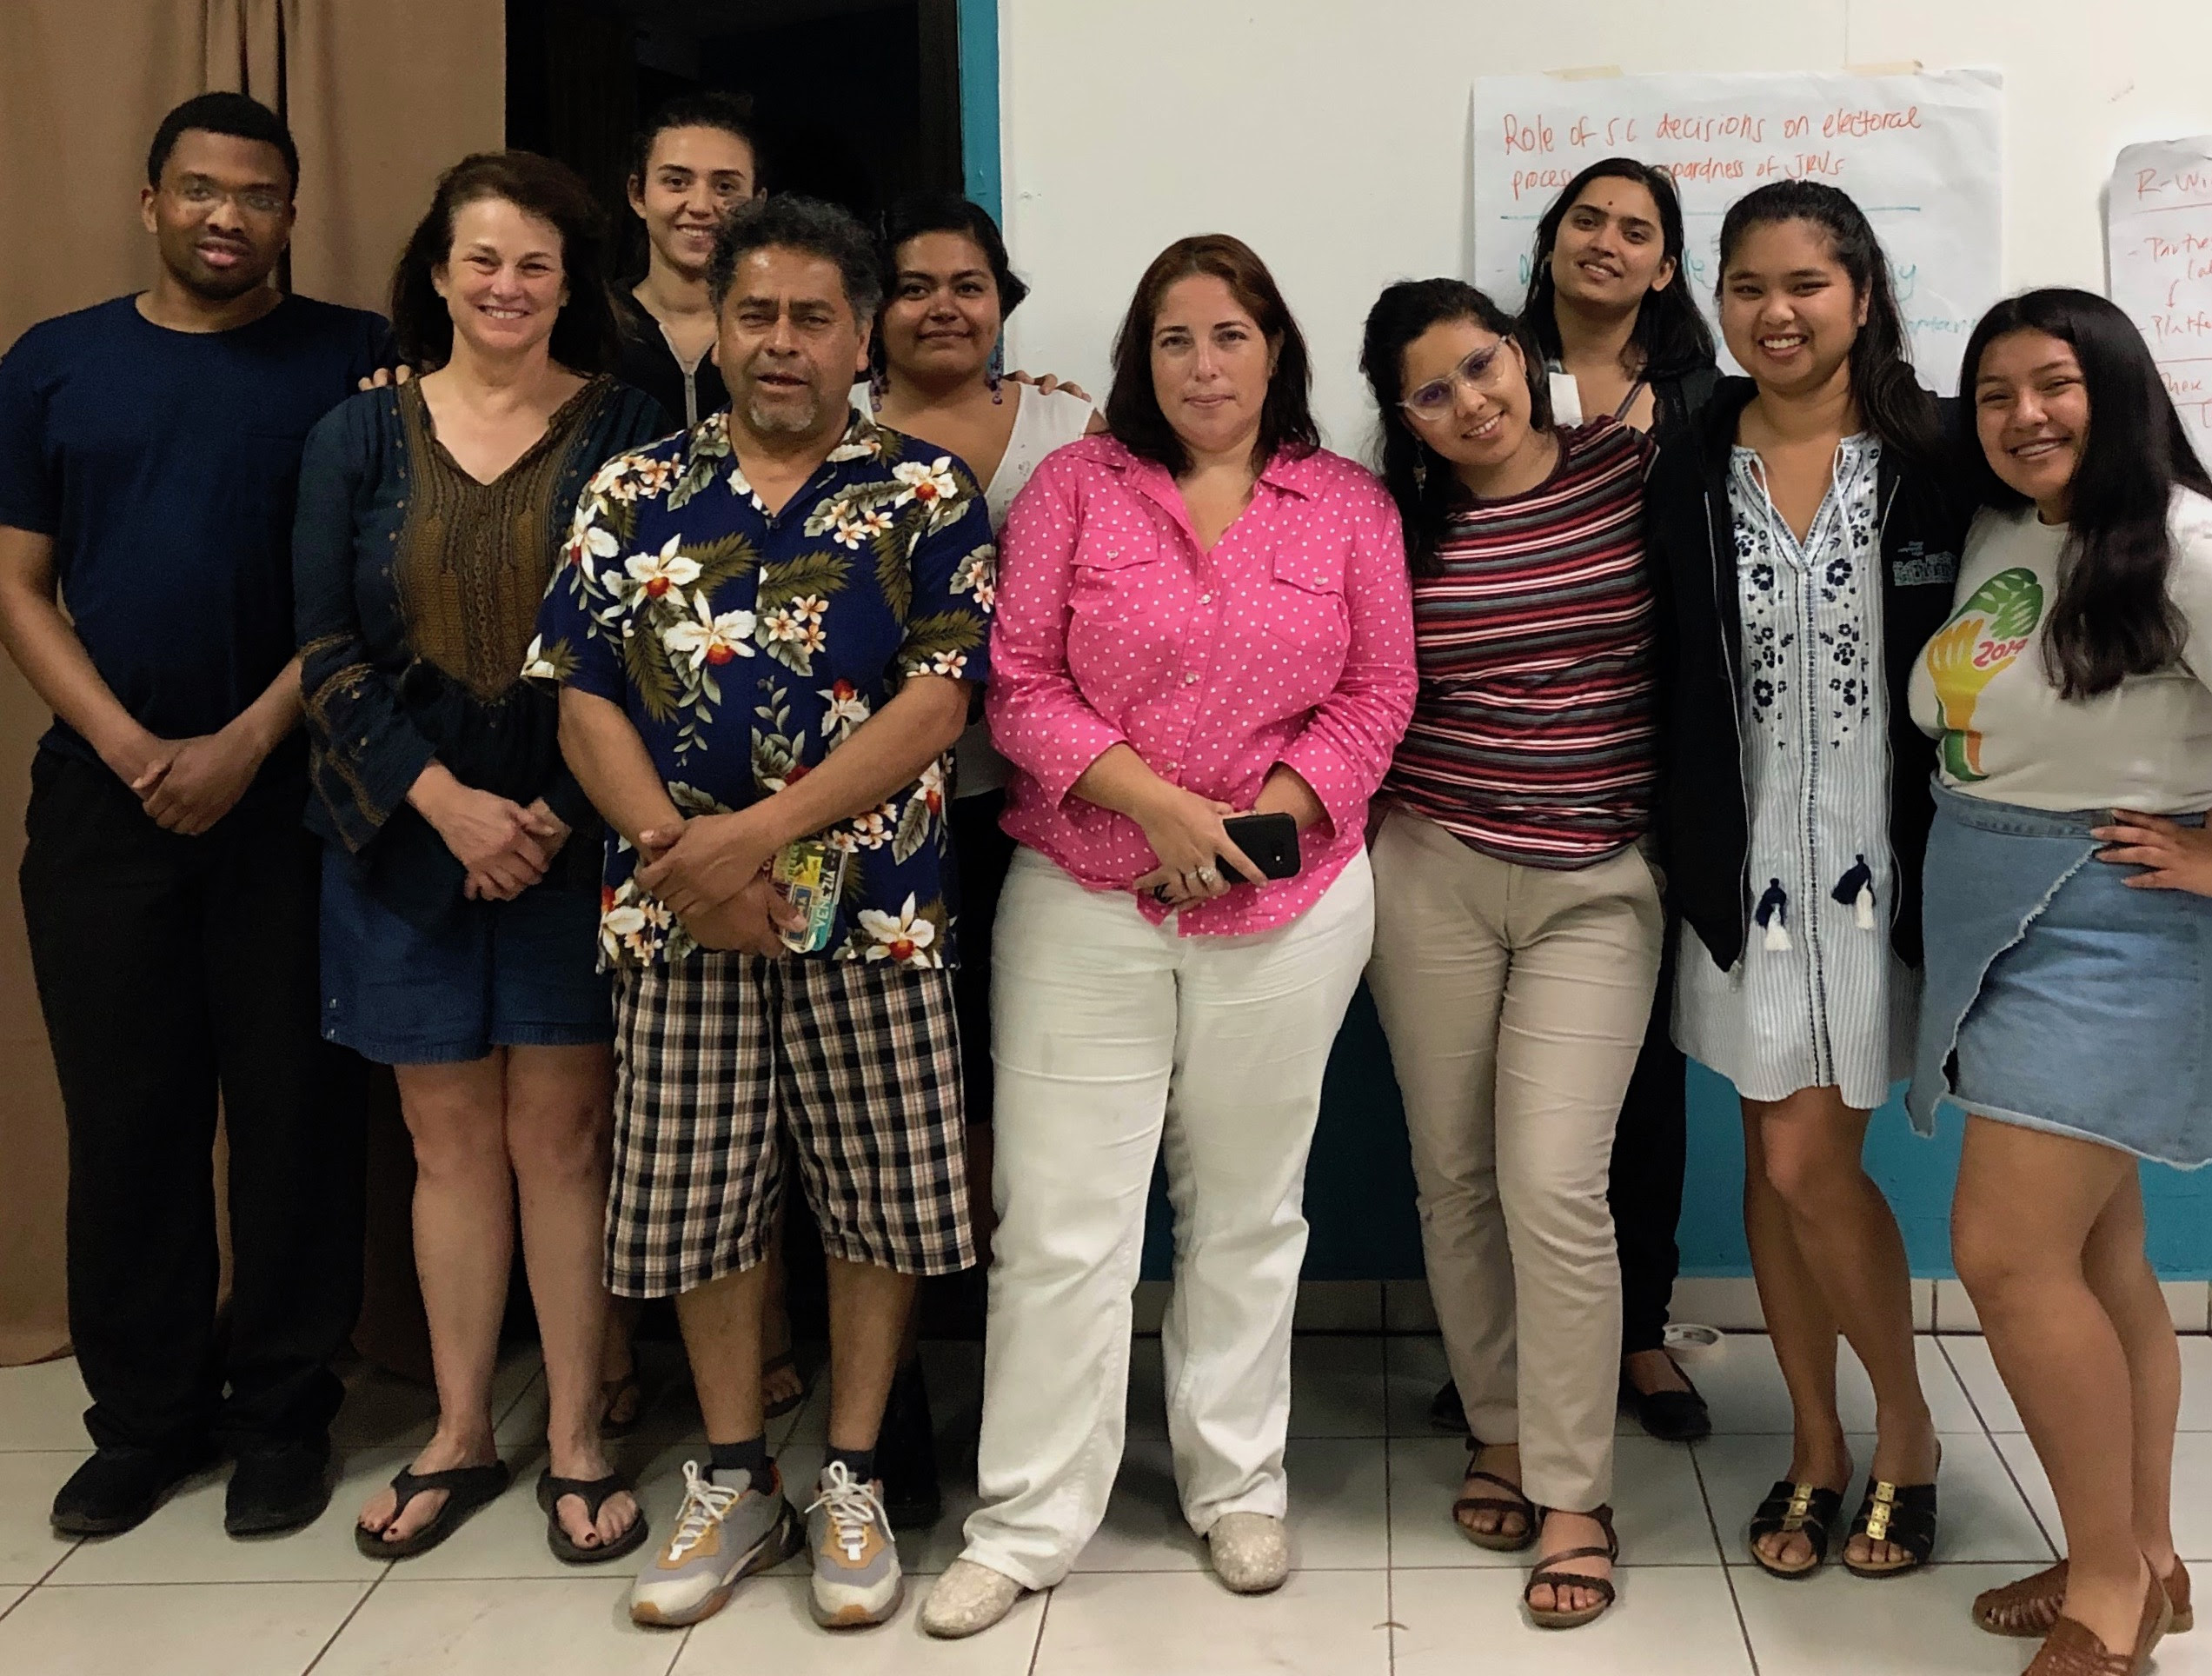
(2004, 732)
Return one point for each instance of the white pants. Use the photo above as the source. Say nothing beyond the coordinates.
(1117, 1041)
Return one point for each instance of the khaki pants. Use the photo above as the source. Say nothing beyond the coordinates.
(1515, 999)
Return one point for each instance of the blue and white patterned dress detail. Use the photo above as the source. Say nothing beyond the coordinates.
(1818, 998)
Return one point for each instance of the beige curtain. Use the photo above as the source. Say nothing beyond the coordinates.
(381, 95)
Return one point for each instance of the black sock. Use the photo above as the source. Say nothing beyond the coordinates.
(750, 1456)
(858, 1462)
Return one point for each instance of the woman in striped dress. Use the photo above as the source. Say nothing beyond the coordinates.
(1517, 927)
(1805, 542)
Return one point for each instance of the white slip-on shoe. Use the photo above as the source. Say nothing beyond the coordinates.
(1252, 1552)
(970, 1597)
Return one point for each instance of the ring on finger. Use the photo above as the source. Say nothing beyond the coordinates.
(1209, 877)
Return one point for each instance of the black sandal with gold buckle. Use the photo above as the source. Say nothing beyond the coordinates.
(1904, 1515)
(1790, 1509)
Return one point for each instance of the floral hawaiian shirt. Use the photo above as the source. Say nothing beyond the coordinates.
(745, 646)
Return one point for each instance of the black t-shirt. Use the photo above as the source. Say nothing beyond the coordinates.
(650, 365)
(164, 464)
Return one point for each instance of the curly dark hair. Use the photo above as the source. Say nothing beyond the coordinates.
(1132, 410)
(586, 338)
(790, 221)
(232, 114)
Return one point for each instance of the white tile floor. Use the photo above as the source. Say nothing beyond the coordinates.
(1383, 1585)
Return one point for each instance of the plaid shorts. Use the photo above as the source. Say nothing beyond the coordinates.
(725, 1060)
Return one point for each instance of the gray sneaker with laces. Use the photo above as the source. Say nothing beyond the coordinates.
(857, 1581)
(722, 1535)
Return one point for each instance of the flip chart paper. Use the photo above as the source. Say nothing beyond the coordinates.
(2160, 226)
(1920, 153)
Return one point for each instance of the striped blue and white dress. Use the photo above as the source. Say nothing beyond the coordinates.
(1818, 998)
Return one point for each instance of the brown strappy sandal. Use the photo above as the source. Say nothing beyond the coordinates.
(1499, 1541)
(2072, 1649)
(2030, 1606)
(1546, 1576)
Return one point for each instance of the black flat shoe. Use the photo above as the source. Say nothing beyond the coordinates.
(121, 1485)
(906, 1453)
(1670, 1416)
(277, 1487)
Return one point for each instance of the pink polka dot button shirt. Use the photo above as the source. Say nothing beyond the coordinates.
(1291, 641)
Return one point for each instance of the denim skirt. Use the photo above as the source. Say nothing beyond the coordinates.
(2057, 997)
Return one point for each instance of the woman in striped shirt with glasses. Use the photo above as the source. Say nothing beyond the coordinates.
(1518, 928)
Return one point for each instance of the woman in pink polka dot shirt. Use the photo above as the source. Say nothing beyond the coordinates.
(1199, 614)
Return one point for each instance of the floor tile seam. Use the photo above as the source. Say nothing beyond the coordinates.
(1037, 1646)
(1959, 1374)
(2020, 1489)
(1720, 1550)
(344, 1623)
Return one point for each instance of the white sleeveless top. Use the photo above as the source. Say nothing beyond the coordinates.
(1041, 423)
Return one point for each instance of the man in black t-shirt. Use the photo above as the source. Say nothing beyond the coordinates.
(150, 449)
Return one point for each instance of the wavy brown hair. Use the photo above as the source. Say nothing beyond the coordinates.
(1132, 410)
(587, 337)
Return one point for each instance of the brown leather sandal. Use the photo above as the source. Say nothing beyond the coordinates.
(1545, 1576)
(1499, 1541)
(2030, 1606)
(2072, 1649)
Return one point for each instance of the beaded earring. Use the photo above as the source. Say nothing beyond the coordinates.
(996, 377)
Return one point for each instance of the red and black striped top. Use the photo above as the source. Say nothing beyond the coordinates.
(1532, 736)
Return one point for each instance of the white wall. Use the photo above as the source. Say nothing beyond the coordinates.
(1332, 134)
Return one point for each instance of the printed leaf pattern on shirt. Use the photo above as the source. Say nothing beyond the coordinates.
(743, 647)
(1982, 639)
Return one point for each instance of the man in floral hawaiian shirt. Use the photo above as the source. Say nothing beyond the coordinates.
(767, 629)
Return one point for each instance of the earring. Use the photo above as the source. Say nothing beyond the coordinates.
(996, 377)
(879, 384)
(1420, 473)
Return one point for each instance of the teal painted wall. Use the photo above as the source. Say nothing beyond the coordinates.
(1359, 1196)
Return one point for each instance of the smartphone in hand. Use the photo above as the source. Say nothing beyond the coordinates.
(1270, 839)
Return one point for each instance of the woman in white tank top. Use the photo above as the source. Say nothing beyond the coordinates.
(948, 290)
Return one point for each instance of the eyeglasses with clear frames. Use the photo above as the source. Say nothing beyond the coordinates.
(1485, 370)
(254, 201)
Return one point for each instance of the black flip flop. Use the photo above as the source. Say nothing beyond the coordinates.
(466, 1489)
(594, 1494)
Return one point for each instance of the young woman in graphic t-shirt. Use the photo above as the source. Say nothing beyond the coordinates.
(2068, 933)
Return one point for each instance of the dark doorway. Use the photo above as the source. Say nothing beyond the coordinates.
(857, 100)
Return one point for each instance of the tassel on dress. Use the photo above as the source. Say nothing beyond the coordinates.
(1773, 914)
(1856, 891)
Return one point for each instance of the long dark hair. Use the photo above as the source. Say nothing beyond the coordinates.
(2113, 617)
(1889, 398)
(1419, 479)
(942, 212)
(1133, 411)
(586, 338)
(1670, 336)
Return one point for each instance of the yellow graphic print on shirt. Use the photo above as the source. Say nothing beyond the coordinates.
(1983, 638)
